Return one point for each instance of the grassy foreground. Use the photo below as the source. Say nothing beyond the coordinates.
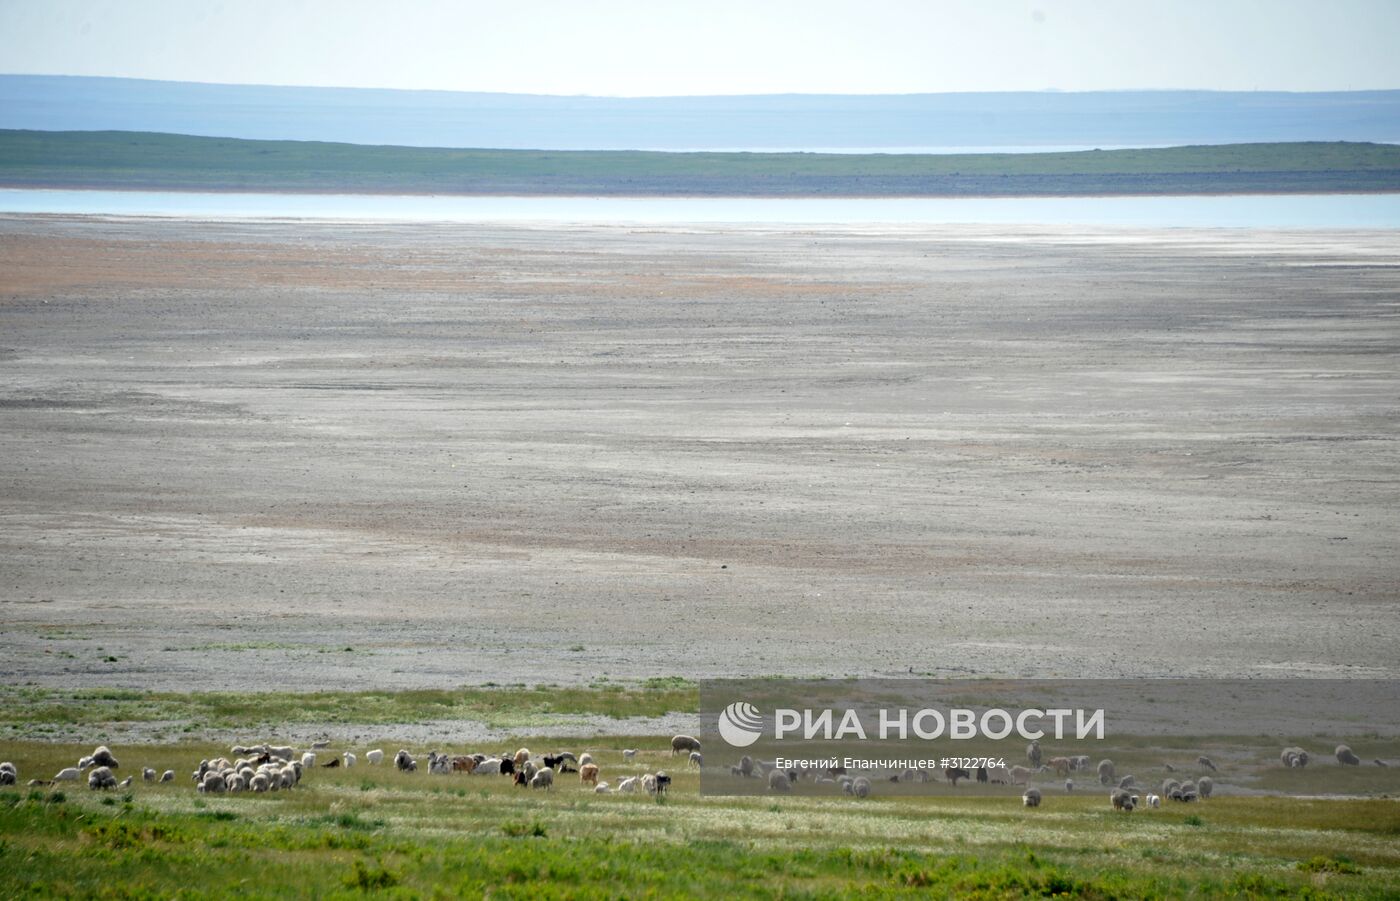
(142, 160)
(367, 829)
(345, 832)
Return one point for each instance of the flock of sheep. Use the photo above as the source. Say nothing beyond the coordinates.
(269, 768)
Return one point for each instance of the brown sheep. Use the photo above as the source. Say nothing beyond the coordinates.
(588, 774)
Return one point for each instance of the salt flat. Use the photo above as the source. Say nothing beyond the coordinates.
(311, 454)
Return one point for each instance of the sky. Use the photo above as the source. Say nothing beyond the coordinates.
(664, 48)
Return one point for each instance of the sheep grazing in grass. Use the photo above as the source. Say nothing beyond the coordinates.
(696, 759)
(684, 743)
(1033, 754)
(588, 774)
(1294, 758)
(1121, 800)
(349, 759)
(1128, 781)
(375, 757)
(1031, 798)
(1106, 772)
(584, 760)
(1189, 792)
(67, 774)
(491, 766)
(861, 787)
(404, 762)
(543, 779)
(1169, 786)
(1154, 802)
(103, 757)
(1206, 762)
(1018, 775)
(148, 775)
(629, 784)
(953, 774)
(85, 762)
(167, 776)
(320, 745)
(1168, 767)
(101, 777)
(308, 760)
(602, 788)
(126, 783)
(1061, 766)
(629, 754)
(1205, 785)
(521, 756)
(778, 781)
(1345, 756)
(213, 783)
(8, 774)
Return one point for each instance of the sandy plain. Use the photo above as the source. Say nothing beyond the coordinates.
(369, 455)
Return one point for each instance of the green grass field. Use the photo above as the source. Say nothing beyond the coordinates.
(139, 160)
(346, 832)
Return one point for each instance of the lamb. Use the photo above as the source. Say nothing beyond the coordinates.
(167, 776)
(543, 779)
(684, 743)
(375, 757)
(588, 773)
(1031, 798)
(349, 759)
(68, 774)
(778, 781)
(1033, 754)
(1345, 756)
(1207, 763)
(629, 754)
(1121, 800)
(148, 775)
(696, 759)
(404, 762)
(1205, 785)
(663, 782)
(1106, 772)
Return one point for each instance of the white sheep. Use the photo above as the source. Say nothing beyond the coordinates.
(375, 757)
(308, 760)
(629, 754)
(1294, 758)
(126, 783)
(491, 766)
(1121, 800)
(1031, 798)
(585, 759)
(68, 774)
(1345, 756)
(1154, 801)
(259, 783)
(602, 788)
(778, 781)
(628, 785)
(148, 775)
(1205, 785)
(8, 774)
(101, 777)
(213, 783)
(320, 745)
(543, 779)
(167, 776)
(696, 759)
(349, 759)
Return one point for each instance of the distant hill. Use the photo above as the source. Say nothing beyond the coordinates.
(446, 119)
(138, 160)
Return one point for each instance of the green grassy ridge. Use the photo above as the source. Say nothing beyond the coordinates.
(28, 707)
(153, 161)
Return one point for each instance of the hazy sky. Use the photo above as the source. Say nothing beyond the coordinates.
(619, 47)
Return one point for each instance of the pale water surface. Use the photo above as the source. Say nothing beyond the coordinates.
(1233, 211)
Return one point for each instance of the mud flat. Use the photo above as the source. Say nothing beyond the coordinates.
(306, 455)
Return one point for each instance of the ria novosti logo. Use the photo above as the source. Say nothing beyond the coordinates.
(740, 724)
